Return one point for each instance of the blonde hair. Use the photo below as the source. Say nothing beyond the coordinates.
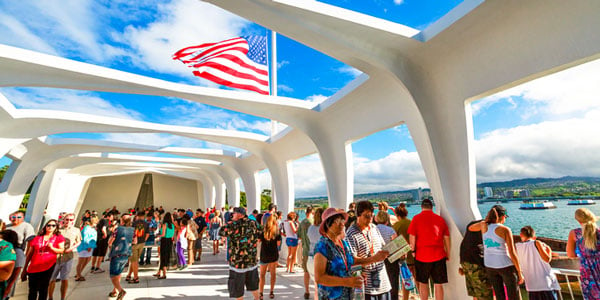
(271, 227)
(382, 217)
(93, 220)
(588, 220)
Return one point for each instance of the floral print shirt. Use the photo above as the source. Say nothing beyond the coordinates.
(242, 242)
(339, 262)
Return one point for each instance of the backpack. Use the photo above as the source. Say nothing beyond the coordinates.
(139, 230)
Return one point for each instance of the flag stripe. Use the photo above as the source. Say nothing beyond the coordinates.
(222, 81)
(231, 78)
(240, 45)
(192, 49)
(238, 62)
(264, 80)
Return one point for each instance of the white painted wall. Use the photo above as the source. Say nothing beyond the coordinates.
(171, 192)
(104, 192)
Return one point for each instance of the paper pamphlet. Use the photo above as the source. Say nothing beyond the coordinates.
(397, 248)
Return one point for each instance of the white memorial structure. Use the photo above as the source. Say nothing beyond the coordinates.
(424, 79)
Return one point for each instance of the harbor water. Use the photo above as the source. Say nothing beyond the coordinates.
(552, 223)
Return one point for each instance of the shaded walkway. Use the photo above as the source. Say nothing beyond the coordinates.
(204, 280)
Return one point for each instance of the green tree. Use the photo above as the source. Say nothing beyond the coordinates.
(243, 201)
(265, 199)
(3, 171)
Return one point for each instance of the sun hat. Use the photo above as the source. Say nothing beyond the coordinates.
(328, 213)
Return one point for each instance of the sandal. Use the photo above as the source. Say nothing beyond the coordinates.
(271, 295)
(80, 278)
(260, 296)
(128, 278)
(156, 275)
(112, 294)
(306, 295)
(161, 277)
(134, 280)
(121, 295)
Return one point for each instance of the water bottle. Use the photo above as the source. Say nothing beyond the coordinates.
(407, 279)
(359, 292)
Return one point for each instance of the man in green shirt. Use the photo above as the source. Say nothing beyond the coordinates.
(302, 234)
(8, 256)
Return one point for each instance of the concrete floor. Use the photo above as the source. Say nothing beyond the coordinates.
(204, 280)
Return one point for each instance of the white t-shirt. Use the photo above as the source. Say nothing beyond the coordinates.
(536, 272)
(289, 233)
(24, 231)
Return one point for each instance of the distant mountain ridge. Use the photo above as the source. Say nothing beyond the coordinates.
(541, 181)
(538, 182)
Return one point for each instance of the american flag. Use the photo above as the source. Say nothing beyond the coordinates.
(238, 63)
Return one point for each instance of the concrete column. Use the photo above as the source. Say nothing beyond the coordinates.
(209, 192)
(336, 157)
(283, 184)
(37, 204)
(450, 170)
(252, 188)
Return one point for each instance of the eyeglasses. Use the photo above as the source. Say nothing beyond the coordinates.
(51, 225)
(70, 220)
(367, 215)
(16, 217)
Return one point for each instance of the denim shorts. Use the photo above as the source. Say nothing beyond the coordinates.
(291, 242)
(117, 265)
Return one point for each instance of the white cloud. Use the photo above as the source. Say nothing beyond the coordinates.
(65, 27)
(350, 71)
(67, 100)
(18, 34)
(574, 90)
(397, 171)
(282, 64)
(284, 88)
(547, 149)
(317, 98)
(179, 24)
(398, 2)
(200, 115)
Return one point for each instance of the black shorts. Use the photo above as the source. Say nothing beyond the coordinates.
(435, 270)
(101, 248)
(236, 282)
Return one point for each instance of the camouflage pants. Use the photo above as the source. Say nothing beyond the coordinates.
(477, 282)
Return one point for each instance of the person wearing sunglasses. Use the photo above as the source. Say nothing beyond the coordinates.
(25, 232)
(64, 263)
(41, 259)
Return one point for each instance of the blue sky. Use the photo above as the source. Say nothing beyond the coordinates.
(140, 36)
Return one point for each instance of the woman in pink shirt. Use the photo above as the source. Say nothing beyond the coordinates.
(41, 258)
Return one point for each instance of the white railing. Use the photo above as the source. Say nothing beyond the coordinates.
(566, 273)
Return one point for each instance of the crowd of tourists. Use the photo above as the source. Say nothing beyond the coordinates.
(333, 243)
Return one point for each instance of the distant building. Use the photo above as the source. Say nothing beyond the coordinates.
(509, 194)
(419, 194)
(524, 193)
(488, 192)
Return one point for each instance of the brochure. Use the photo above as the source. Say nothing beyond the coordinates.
(397, 248)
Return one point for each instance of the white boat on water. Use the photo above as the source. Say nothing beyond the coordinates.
(581, 202)
(537, 205)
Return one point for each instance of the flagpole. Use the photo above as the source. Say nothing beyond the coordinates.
(274, 125)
